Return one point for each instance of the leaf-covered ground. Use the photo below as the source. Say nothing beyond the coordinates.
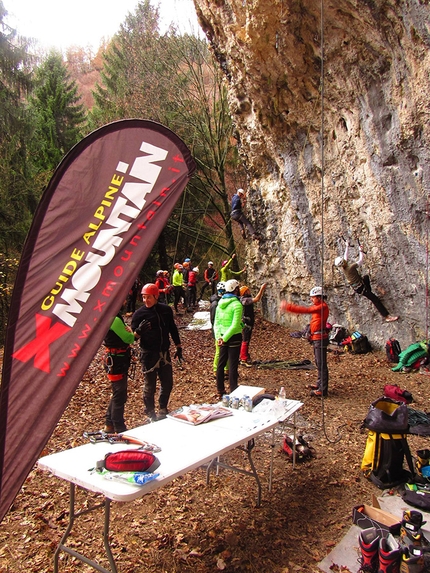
(190, 526)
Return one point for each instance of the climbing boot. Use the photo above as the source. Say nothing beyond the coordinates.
(368, 541)
(412, 560)
(410, 530)
(389, 555)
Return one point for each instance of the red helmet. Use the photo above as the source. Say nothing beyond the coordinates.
(151, 288)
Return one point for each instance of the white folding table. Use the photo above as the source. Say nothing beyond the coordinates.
(184, 447)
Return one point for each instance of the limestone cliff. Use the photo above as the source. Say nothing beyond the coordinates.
(370, 99)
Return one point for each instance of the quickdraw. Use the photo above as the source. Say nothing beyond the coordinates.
(101, 436)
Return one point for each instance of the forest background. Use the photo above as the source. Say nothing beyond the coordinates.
(51, 100)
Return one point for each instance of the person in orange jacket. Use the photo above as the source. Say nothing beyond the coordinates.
(318, 335)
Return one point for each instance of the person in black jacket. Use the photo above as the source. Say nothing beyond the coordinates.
(155, 324)
(116, 361)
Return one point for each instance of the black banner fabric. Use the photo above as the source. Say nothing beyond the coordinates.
(97, 221)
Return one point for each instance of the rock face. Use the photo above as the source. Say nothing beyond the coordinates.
(366, 179)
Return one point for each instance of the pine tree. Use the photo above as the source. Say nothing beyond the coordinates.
(57, 113)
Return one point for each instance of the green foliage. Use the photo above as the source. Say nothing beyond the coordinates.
(174, 80)
(58, 116)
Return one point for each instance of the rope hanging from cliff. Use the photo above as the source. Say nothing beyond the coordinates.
(339, 437)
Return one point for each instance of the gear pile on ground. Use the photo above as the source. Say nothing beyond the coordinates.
(190, 526)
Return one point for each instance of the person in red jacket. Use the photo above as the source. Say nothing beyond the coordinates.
(318, 335)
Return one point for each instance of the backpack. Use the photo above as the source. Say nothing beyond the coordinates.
(392, 349)
(303, 450)
(359, 343)
(393, 391)
(337, 334)
(383, 459)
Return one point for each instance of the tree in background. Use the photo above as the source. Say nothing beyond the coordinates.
(18, 198)
(174, 80)
(57, 113)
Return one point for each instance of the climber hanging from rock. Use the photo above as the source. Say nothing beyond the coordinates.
(237, 203)
(361, 284)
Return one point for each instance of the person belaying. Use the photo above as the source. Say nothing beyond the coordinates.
(214, 300)
(248, 302)
(178, 289)
(210, 276)
(163, 286)
(226, 273)
(228, 335)
(359, 283)
(238, 201)
(192, 287)
(318, 335)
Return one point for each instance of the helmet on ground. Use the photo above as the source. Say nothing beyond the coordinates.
(210, 263)
(243, 290)
(196, 269)
(151, 288)
(338, 261)
(231, 285)
(220, 287)
(240, 192)
(316, 291)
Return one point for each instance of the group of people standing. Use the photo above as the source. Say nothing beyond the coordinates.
(153, 325)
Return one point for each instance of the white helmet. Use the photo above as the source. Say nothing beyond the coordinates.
(316, 291)
(220, 287)
(240, 192)
(231, 285)
(196, 269)
(210, 263)
(338, 261)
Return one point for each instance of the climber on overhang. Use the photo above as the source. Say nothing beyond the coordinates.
(237, 203)
(361, 284)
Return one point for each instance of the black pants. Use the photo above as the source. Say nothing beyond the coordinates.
(320, 354)
(229, 351)
(366, 290)
(115, 411)
(164, 372)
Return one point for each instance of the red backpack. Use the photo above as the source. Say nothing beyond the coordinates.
(392, 349)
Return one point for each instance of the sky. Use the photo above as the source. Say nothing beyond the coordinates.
(64, 23)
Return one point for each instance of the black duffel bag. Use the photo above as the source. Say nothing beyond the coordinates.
(387, 416)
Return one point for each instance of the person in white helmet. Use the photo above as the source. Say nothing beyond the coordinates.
(361, 284)
(228, 335)
(318, 335)
(237, 203)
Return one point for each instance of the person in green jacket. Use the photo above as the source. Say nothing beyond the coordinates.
(228, 335)
(116, 363)
(226, 273)
(177, 282)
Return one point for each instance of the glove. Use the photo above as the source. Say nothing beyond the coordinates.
(178, 355)
(143, 327)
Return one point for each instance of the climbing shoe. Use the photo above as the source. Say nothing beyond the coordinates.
(389, 555)
(368, 541)
(318, 393)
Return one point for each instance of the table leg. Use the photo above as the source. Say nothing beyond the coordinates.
(72, 517)
(248, 449)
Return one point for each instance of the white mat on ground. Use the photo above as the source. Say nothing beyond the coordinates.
(201, 321)
(346, 552)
